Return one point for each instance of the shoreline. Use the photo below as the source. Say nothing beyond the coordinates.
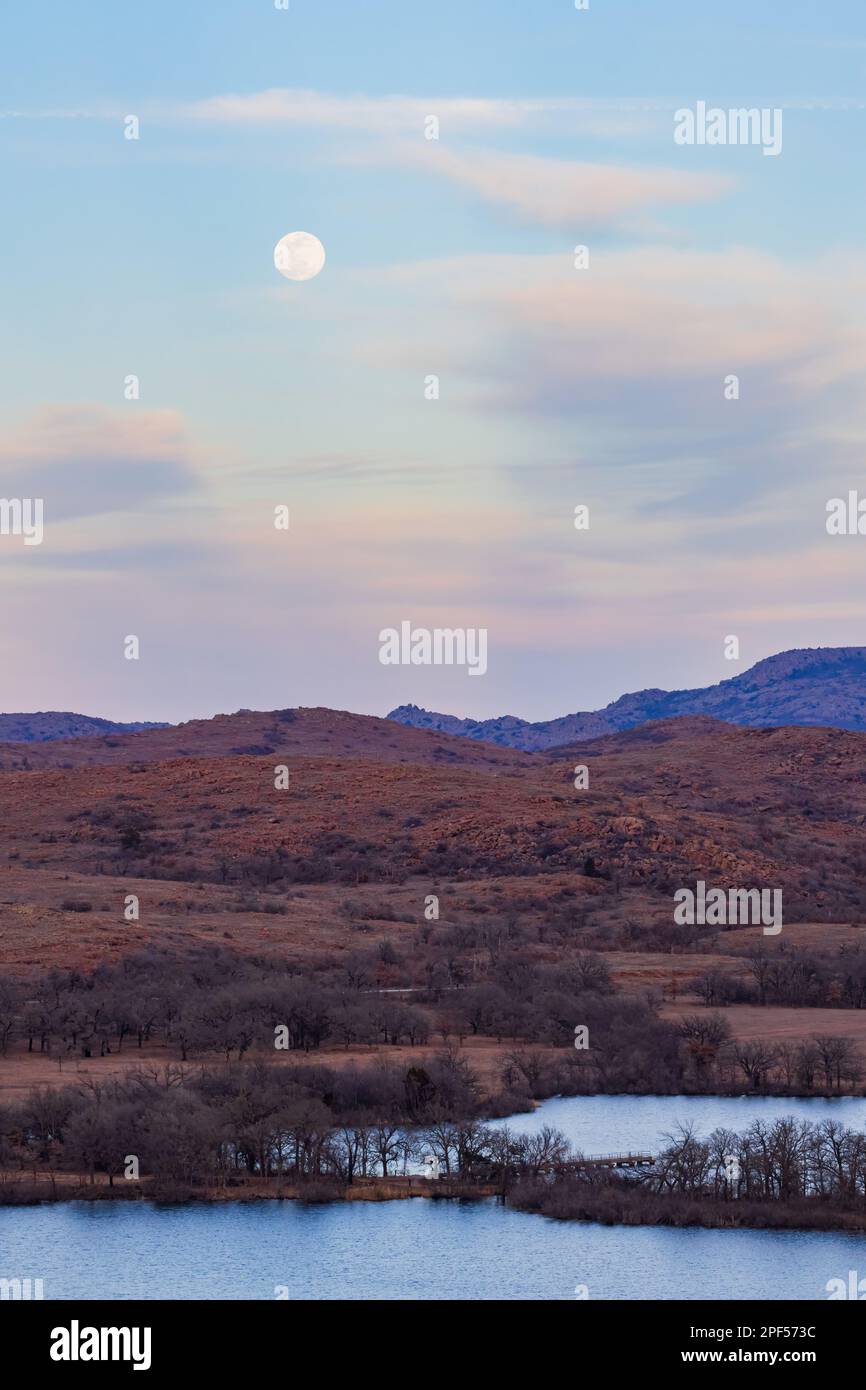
(769, 1216)
(74, 1188)
(591, 1209)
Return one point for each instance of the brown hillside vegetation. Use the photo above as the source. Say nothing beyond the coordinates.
(530, 874)
(392, 814)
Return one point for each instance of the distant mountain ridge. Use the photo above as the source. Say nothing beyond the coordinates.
(274, 734)
(815, 686)
(48, 725)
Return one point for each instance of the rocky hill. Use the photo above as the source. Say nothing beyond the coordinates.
(820, 686)
(375, 817)
(47, 725)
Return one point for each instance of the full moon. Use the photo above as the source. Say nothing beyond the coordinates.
(299, 256)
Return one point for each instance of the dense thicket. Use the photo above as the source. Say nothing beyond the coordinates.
(785, 1173)
(215, 1001)
(304, 1122)
(216, 1004)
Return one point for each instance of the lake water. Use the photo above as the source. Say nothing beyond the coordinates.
(617, 1124)
(421, 1249)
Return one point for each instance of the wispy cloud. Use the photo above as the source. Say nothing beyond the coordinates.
(402, 115)
(559, 192)
(631, 357)
(88, 460)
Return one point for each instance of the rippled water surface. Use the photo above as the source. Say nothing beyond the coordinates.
(435, 1250)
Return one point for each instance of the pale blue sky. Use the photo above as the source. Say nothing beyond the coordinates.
(452, 257)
